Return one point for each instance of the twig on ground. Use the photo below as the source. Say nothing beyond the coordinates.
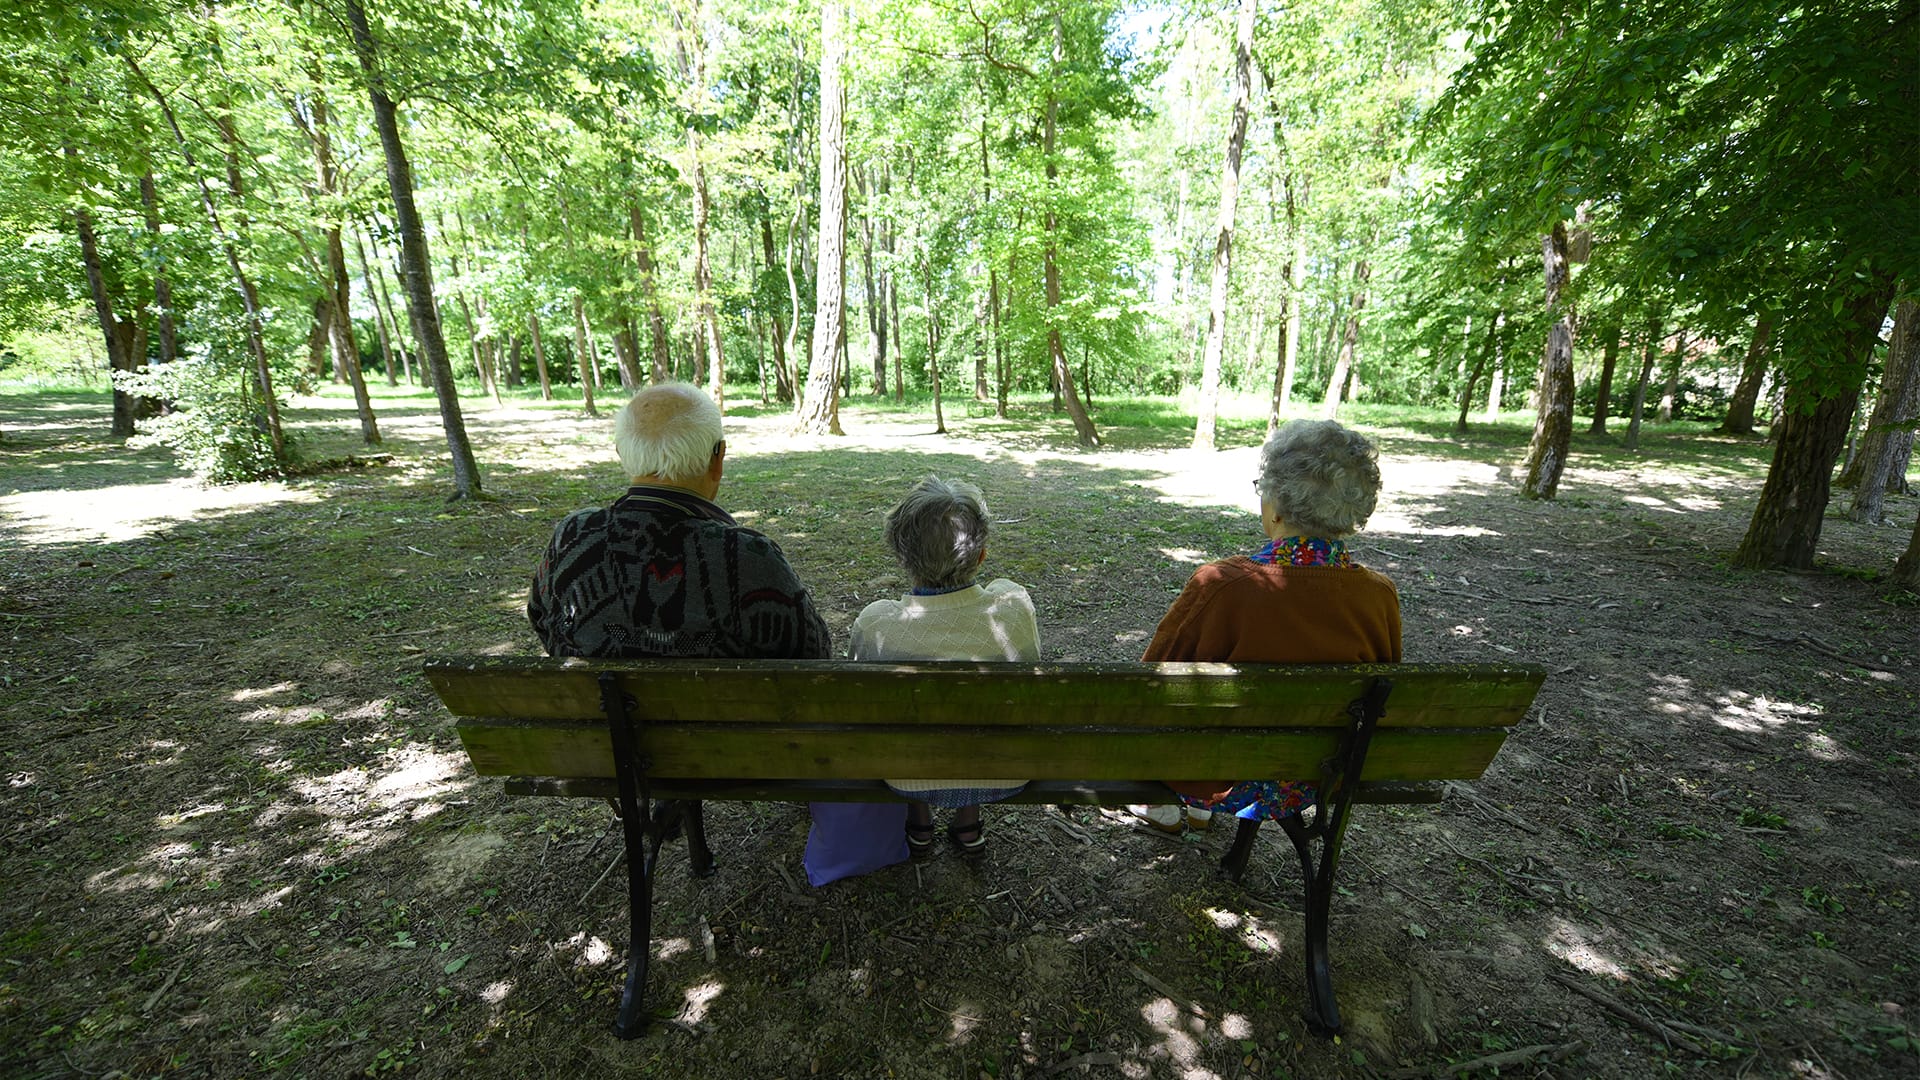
(1807, 642)
(1621, 1009)
(1081, 1061)
(1455, 787)
(617, 856)
(154, 998)
(1180, 1000)
(706, 939)
(1070, 829)
(1543, 1054)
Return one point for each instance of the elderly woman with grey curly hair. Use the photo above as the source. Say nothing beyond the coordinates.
(938, 533)
(1299, 599)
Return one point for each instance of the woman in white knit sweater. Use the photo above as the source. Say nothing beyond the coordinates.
(939, 534)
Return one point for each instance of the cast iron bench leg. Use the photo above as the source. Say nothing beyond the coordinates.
(699, 855)
(1234, 862)
(1323, 1013)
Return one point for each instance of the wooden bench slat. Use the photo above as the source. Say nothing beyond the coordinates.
(1109, 695)
(510, 748)
(1038, 793)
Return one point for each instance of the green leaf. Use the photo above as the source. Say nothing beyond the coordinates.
(454, 965)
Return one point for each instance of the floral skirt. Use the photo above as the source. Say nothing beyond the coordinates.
(1258, 800)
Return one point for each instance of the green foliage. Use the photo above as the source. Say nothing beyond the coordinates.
(215, 426)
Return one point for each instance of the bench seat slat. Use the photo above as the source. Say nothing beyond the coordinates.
(1008, 694)
(753, 752)
(1038, 793)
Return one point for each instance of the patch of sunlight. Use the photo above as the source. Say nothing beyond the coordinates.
(1259, 938)
(258, 904)
(594, 951)
(964, 1022)
(1236, 1026)
(115, 881)
(1225, 920)
(1574, 945)
(170, 821)
(1178, 1035)
(22, 779)
(699, 999)
(1823, 746)
(496, 992)
(1759, 714)
(420, 774)
(251, 693)
(134, 511)
(1463, 631)
(669, 948)
(1456, 530)
(1185, 555)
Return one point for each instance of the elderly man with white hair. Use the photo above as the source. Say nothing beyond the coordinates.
(664, 572)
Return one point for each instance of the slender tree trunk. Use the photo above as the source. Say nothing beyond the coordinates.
(582, 351)
(401, 343)
(162, 282)
(1553, 427)
(1785, 530)
(1906, 572)
(539, 356)
(249, 298)
(693, 59)
(933, 356)
(1651, 353)
(1342, 374)
(876, 302)
(1884, 450)
(1753, 373)
(1480, 365)
(1083, 428)
(379, 315)
(1603, 395)
(1672, 392)
(117, 334)
(893, 313)
(346, 352)
(425, 314)
(1210, 360)
(782, 378)
(820, 406)
(1000, 373)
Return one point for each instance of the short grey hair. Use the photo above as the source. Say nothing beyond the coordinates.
(670, 430)
(1320, 477)
(939, 532)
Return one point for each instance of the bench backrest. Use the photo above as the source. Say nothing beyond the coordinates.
(842, 720)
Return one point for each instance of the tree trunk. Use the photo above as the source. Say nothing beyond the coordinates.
(1650, 354)
(694, 68)
(999, 345)
(1785, 530)
(162, 283)
(424, 313)
(1296, 311)
(318, 337)
(539, 356)
(1083, 428)
(1553, 427)
(1480, 366)
(379, 315)
(346, 352)
(118, 334)
(582, 351)
(1889, 436)
(1753, 373)
(876, 304)
(820, 406)
(782, 378)
(1906, 572)
(1603, 394)
(1209, 404)
(893, 314)
(1338, 379)
(249, 297)
(933, 357)
(401, 344)
(1671, 395)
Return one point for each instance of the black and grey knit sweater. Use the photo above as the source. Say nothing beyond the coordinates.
(665, 573)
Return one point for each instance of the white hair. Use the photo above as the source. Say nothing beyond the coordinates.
(1320, 477)
(939, 532)
(670, 430)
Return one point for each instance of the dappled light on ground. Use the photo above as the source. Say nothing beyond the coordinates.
(132, 511)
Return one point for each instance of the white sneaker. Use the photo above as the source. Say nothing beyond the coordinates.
(1198, 818)
(1164, 818)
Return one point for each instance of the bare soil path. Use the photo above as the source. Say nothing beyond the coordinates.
(237, 837)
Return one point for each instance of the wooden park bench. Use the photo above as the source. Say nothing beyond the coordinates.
(662, 736)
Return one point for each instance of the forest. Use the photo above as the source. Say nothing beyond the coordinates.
(1454, 205)
(313, 313)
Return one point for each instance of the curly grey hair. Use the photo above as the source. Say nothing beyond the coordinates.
(939, 532)
(1319, 477)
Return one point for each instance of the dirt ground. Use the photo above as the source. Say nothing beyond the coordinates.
(238, 837)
